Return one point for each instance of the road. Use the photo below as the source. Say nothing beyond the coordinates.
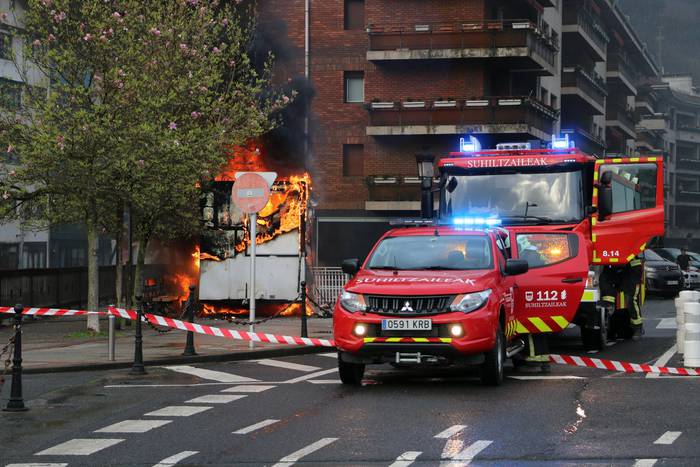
(293, 410)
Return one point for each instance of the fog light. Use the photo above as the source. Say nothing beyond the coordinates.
(360, 329)
(456, 330)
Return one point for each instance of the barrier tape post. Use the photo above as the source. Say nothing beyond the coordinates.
(304, 329)
(16, 402)
(111, 344)
(190, 309)
(137, 368)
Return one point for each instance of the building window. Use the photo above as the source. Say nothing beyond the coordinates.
(354, 15)
(10, 94)
(353, 160)
(34, 255)
(5, 45)
(354, 86)
(9, 255)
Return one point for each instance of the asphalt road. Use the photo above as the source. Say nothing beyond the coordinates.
(293, 410)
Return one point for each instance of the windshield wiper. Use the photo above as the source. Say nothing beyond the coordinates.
(548, 220)
(390, 268)
(438, 268)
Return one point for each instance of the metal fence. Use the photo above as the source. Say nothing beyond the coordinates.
(326, 284)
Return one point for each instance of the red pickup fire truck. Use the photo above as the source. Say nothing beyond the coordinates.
(569, 215)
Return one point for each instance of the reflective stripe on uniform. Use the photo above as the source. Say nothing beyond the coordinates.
(608, 298)
(636, 313)
(621, 303)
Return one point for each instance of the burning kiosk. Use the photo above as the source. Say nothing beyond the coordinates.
(281, 239)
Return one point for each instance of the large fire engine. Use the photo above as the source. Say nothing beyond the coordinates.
(518, 248)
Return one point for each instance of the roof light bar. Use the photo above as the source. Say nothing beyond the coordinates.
(562, 143)
(469, 145)
(476, 221)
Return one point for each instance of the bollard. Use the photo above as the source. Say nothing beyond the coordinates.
(685, 296)
(112, 340)
(16, 402)
(304, 329)
(691, 358)
(190, 309)
(137, 368)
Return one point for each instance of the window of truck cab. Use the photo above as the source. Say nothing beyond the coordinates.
(433, 252)
(540, 194)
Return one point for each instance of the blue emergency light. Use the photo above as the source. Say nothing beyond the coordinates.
(476, 221)
(469, 145)
(562, 143)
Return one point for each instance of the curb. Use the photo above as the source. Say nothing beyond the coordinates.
(230, 357)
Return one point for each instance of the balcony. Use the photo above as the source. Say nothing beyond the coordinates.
(546, 3)
(586, 141)
(584, 91)
(688, 163)
(518, 44)
(687, 196)
(620, 76)
(623, 120)
(583, 32)
(656, 123)
(488, 115)
(688, 134)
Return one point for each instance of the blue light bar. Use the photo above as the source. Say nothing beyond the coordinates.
(476, 221)
(470, 145)
(562, 143)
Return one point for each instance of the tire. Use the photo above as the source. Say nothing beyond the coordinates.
(597, 339)
(350, 373)
(491, 371)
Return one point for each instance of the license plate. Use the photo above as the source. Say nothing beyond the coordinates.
(407, 325)
(672, 282)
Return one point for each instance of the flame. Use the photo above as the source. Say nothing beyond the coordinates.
(207, 257)
(196, 257)
(263, 310)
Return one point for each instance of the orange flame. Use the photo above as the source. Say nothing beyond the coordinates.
(264, 309)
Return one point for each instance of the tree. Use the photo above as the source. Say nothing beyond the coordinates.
(145, 97)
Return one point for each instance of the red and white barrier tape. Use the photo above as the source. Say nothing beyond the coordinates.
(49, 311)
(613, 365)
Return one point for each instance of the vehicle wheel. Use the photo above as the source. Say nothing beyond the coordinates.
(491, 370)
(350, 373)
(597, 339)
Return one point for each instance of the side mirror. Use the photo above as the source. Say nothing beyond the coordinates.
(515, 267)
(351, 266)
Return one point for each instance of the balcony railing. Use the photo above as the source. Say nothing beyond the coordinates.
(688, 196)
(625, 117)
(589, 84)
(620, 70)
(485, 39)
(461, 113)
(688, 163)
(589, 24)
(586, 140)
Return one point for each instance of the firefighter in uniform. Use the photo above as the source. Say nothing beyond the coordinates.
(623, 289)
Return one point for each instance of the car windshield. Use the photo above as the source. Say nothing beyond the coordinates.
(653, 256)
(444, 252)
(543, 197)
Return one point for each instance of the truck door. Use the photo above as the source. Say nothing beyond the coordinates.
(548, 295)
(629, 197)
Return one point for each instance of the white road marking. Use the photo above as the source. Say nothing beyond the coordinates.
(325, 381)
(79, 447)
(296, 455)
(667, 323)
(668, 438)
(450, 432)
(663, 360)
(215, 399)
(250, 388)
(310, 376)
(172, 460)
(133, 426)
(534, 377)
(36, 465)
(406, 459)
(219, 376)
(255, 426)
(329, 355)
(287, 365)
(467, 455)
(178, 411)
(645, 462)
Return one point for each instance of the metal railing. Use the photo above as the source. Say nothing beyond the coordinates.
(326, 284)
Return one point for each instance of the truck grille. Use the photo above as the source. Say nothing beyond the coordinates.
(409, 306)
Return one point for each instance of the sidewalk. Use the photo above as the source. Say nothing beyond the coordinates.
(54, 344)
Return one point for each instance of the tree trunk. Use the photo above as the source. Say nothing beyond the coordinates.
(138, 273)
(118, 266)
(93, 302)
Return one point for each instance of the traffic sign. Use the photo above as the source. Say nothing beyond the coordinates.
(251, 191)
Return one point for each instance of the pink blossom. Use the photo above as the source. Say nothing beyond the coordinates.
(195, 114)
(224, 22)
(6, 195)
(12, 173)
(52, 38)
(3, 16)
(140, 162)
(203, 88)
(119, 84)
(192, 2)
(60, 16)
(87, 37)
(60, 141)
(116, 14)
(110, 32)
(172, 126)
(10, 148)
(216, 50)
(47, 3)
(285, 99)
(154, 31)
(36, 43)
(183, 46)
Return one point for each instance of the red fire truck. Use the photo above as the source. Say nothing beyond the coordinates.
(571, 216)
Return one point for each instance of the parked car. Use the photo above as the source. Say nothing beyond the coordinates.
(662, 275)
(691, 277)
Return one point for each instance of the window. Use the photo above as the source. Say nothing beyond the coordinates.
(10, 94)
(5, 45)
(633, 186)
(354, 86)
(354, 15)
(546, 249)
(554, 102)
(9, 255)
(353, 160)
(34, 255)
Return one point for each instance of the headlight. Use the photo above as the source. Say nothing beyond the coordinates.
(352, 302)
(471, 301)
(649, 269)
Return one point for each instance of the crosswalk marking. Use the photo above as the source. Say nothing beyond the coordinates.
(329, 355)
(40, 464)
(133, 426)
(465, 456)
(172, 460)
(255, 426)
(178, 411)
(215, 399)
(668, 438)
(450, 432)
(310, 376)
(249, 388)
(79, 447)
(325, 381)
(287, 365)
(406, 459)
(645, 462)
(667, 323)
(212, 375)
(545, 378)
(311, 448)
